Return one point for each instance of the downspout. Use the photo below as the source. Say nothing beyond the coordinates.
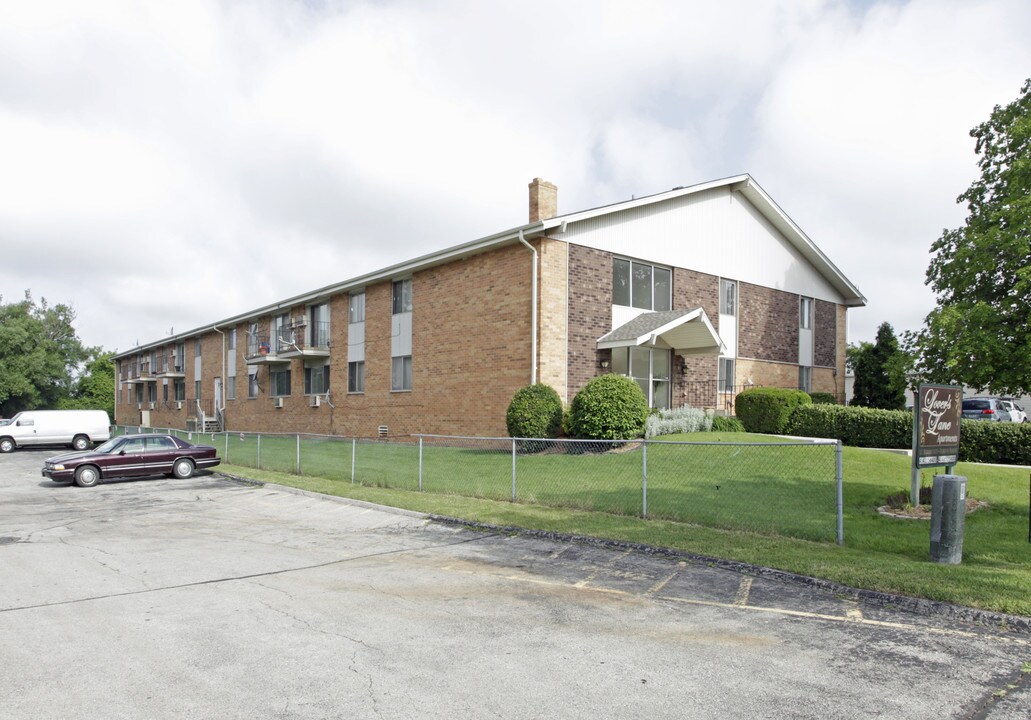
(221, 410)
(533, 311)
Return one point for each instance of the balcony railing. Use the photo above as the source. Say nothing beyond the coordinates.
(169, 366)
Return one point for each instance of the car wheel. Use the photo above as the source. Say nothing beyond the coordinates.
(6, 445)
(183, 468)
(87, 476)
(80, 442)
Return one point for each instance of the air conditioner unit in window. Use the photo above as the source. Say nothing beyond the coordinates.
(316, 400)
(152, 405)
(139, 406)
(179, 405)
(277, 402)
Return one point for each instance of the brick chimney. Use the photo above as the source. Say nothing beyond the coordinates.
(543, 200)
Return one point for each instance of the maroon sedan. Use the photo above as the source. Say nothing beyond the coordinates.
(131, 456)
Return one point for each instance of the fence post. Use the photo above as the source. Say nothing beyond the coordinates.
(227, 446)
(420, 463)
(841, 502)
(298, 468)
(354, 449)
(644, 483)
(513, 470)
(259, 451)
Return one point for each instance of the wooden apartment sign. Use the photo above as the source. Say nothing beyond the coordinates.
(936, 418)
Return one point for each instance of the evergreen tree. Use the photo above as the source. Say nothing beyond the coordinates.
(880, 372)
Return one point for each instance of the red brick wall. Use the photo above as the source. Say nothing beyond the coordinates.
(767, 324)
(590, 312)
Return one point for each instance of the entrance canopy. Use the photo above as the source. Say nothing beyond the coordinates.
(685, 332)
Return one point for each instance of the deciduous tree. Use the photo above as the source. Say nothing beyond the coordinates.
(980, 332)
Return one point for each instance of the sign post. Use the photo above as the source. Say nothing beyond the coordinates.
(936, 415)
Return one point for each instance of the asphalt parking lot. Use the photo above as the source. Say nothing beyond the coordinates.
(207, 598)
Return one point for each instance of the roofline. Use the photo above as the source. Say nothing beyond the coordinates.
(399, 270)
(746, 185)
(743, 183)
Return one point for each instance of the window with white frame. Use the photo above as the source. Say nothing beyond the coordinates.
(231, 339)
(196, 347)
(316, 380)
(640, 285)
(252, 384)
(805, 313)
(196, 387)
(231, 387)
(152, 392)
(318, 325)
(650, 368)
(728, 297)
(402, 296)
(356, 377)
(279, 383)
(180, 390)
(401, 373)
(725, 378)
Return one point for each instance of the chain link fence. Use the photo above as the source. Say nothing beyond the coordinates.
(789, 488)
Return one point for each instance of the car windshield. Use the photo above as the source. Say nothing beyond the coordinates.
(977, 404)
(108, 446)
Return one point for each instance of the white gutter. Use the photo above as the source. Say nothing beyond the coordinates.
(533, 311)
(223, 398)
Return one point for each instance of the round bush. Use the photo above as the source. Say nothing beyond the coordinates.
(609, 407)
(535, 412)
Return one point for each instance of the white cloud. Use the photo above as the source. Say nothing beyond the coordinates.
(171, 164)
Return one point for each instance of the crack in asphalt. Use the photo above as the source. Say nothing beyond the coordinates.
(250, 576)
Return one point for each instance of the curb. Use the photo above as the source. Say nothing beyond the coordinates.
(918, 606)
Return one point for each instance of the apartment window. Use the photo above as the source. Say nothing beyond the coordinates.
(180, 390)
(252, 338)
(284, 332)
(805, 313)
(252, 384)
(280, 383)
(650, 369)
(318, 325)
(402, 296)
(196, 387)
(356, 377)
(152, 392)
(196, 347)
(179, 356)
(401, 373)
(231, 387)
(316, 380)
(805, 378)
(164, 392)
(356, 308)
(639, 285)
(231, 339)
(725, 380)
(728, 297)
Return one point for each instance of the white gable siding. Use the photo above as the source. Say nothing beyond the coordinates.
(716, 232)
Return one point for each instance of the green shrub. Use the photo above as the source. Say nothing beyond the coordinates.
(609, 407)
(853, 425)
(535, 412)
(766, 410)
(995, 442)
(725, 423)
(822, 398)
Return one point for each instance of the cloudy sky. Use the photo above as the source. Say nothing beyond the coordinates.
(168, 164)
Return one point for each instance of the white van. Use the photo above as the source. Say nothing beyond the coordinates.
(78, 428)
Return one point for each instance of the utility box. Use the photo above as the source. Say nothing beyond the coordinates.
(948, 512)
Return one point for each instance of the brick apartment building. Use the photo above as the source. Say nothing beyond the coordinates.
(695, 293)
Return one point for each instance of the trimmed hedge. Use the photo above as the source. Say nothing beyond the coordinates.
(767, 410)
(979, 441)
(534, 412)
(854, 426)
(609, 407)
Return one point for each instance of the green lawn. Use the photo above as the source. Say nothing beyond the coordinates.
(774, 509)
